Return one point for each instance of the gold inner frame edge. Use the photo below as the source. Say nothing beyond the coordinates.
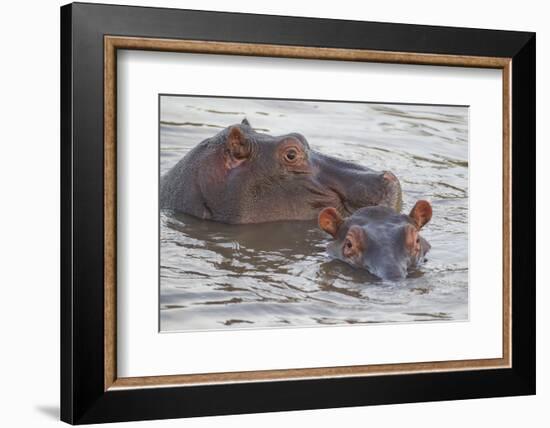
(113, 43)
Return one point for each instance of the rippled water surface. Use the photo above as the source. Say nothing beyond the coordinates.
(217, 276)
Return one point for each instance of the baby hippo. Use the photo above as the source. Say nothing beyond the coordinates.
(378, 239)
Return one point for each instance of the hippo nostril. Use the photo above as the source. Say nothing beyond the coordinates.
(389, 176)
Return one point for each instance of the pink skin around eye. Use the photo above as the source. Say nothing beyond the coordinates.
(354, 244)
(294, 156)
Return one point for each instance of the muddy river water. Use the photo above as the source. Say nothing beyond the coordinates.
(217, 276)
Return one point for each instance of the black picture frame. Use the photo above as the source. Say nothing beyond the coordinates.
(83, 398)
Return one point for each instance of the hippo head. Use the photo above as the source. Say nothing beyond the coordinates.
(243, 176)
(378, 239)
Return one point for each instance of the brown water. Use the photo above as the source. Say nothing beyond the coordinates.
(217, 276)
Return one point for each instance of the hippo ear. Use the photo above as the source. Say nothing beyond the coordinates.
(237, 145)
(421, 213)
(330, 220)
(245, 122)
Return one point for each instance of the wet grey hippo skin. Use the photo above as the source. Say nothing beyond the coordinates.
(378, 239)
(242, 176)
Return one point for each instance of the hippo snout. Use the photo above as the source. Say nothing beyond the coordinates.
(374, 189)
(392, 191)
(391, 273)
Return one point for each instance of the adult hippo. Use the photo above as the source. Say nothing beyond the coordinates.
(242, 176)
(378, 239)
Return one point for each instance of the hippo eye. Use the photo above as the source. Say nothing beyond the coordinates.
(291, 155)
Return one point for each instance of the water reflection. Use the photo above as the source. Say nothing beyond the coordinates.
(216, 276)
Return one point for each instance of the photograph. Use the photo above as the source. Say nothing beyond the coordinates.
(286, 213)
